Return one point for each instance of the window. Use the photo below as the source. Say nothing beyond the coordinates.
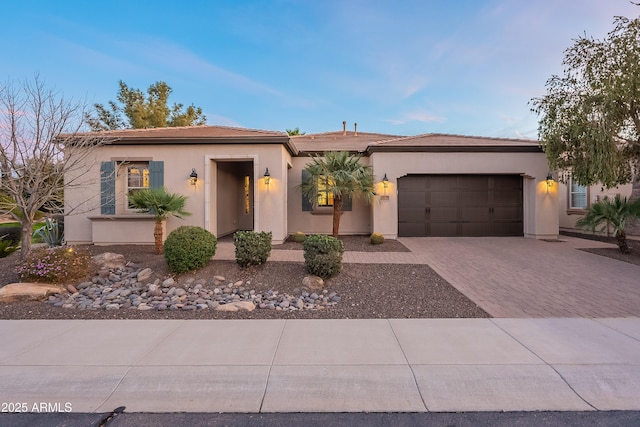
(325, 197)
(131, 176)
(137, 179)
(577, 195)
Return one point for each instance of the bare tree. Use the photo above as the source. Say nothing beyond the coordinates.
(40, 144)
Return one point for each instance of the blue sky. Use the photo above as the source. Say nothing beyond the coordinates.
(399, 67)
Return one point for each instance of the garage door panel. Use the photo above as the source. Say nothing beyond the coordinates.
(414, 215)
(412, 229)
(442, 214)
(441, 198)
(443, 229)
(470, 198)
(460, 205)
(410, 199)
(475, 214)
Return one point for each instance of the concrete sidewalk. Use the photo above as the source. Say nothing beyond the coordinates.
(397, 365)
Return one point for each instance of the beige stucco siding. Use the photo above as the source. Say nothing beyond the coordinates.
(320, 221)
(203, 203)
(568, 217)
(540, 204)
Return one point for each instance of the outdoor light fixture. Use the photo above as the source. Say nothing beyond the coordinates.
(385, 182)
(267, 177)
(193, 178)
(549, 180)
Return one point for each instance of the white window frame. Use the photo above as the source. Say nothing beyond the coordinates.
(582, 190)
(143, 165)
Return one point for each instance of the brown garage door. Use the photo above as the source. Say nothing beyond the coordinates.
(460, 205)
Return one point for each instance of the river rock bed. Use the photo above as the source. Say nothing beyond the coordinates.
(125, 288)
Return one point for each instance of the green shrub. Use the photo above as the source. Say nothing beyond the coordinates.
(55, 265)
(298, 237)
(6, 247)
(12, 233)
(189, 248)
(252, 248)
(323, 255)
(376, 239)
(51, 233)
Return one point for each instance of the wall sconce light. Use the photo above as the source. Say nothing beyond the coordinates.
(549, 180)
(385, 182)
(267, 177)
(193, 178)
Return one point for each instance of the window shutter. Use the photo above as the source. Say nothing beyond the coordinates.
(346, 204)
(107, 188)
(156, 174)
(307, 205)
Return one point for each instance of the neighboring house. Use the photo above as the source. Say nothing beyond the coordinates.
(437, 185)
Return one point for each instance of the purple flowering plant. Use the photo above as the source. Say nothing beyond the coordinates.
(55, 265)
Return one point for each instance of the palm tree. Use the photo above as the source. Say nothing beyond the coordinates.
(337, 175)
(611, 213)
(295, 132)
(161, 204)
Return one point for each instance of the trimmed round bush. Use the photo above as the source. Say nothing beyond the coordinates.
(189, 248)
(252, 248)
(298, 237)
(376, 239)
(323, 255)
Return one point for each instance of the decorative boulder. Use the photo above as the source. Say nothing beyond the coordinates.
(108, 261)
(28, 291)
(313, 282)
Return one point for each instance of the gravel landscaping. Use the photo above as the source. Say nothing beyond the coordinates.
(359, 291)
(634, 245)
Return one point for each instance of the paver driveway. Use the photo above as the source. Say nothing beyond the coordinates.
(517, 277)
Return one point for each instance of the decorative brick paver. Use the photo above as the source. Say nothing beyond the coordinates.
(514, 277)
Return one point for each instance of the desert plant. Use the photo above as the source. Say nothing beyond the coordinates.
(298, 237)
(6, 247)
(189, 248)
(340, 175)
(52, 233)
(161, 204)
(55, 265)
(252, 248)
(376, 239)
(323, 255)
(608, 213)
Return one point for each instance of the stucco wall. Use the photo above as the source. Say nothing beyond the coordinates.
(202, 198)
(540, 203)
(567, 217)
(357, 221)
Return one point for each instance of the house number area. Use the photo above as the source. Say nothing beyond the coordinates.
(14, 407)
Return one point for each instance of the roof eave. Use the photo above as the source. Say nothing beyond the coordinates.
(455, 149)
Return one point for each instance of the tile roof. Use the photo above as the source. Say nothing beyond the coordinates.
(328, 141)
(195, 132)
(446, 142)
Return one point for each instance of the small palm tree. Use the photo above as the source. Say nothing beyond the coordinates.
(341, 176)
(161, 204)
(611, 213)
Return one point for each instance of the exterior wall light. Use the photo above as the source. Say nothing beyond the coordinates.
(267, 177)
(385, 182)
(193, 178)
(549, 180)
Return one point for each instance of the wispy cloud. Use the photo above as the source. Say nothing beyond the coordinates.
(217, 119)
(417, 116)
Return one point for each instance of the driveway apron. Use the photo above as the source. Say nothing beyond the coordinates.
(520, 278)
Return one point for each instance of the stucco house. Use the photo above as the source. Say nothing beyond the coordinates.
(245, 179)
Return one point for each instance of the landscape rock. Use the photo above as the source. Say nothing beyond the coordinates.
(108, 260)
(313, 282)
(144, 275)
(28, 291)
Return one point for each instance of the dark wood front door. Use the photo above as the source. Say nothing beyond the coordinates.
(460, 205)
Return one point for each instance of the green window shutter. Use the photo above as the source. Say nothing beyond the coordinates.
(107, 188)
(156, 174)
(346, 204)
(307, 205)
